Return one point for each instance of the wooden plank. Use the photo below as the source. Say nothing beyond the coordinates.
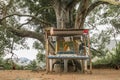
(52, 45)
(55, 29)
(65, 32)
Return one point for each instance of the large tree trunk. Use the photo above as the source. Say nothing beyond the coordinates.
(64, 20)
(62, 12)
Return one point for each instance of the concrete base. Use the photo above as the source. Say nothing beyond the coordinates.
(65, 65)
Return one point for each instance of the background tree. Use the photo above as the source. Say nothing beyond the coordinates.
(60, 14)
(41, 14)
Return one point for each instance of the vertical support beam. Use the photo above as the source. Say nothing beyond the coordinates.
(51, 63)
(82, 63)
(90, 60)
(56, 48)
(47, 60)
(85, 61)
(65, 65)
(76, 47)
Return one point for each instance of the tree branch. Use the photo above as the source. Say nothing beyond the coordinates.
(10, 4)
(94, 5)
(25, 33)
(24, 24)
(96, 50)
(20, 15)
(114, 2)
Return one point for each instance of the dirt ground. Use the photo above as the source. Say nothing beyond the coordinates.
(98, 74)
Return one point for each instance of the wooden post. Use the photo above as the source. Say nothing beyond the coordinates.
(51, 62)
(85, 61)
(56, 48)
(84, 67)
(90, 60)
(47, 61)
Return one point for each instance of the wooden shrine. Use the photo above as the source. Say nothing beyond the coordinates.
(68, 44)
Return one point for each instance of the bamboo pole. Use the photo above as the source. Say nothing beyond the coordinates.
(48, 60)
(56, 48)
(85, 61)
(47, 65)
(89, 53)
(82, 61)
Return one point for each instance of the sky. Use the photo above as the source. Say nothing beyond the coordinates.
(28, 53)
(104, 27)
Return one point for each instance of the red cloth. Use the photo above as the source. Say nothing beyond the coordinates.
(85, 31)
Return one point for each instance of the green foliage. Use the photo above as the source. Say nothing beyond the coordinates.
(105, 14)
(99, 41)
(8, 64)
(116, 56)
(112, 58)
(32, 65)
(41, 9)
(7, 37)
(38, 45)
(1, 60)
(41, 56)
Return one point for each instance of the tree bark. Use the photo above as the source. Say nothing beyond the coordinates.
(81, 14)
(25, 33)
(62, 11)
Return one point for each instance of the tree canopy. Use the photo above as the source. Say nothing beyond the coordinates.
(41, 14)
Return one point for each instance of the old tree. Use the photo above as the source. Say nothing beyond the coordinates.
(41, 14)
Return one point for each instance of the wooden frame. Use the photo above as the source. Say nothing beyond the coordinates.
(63, 33)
